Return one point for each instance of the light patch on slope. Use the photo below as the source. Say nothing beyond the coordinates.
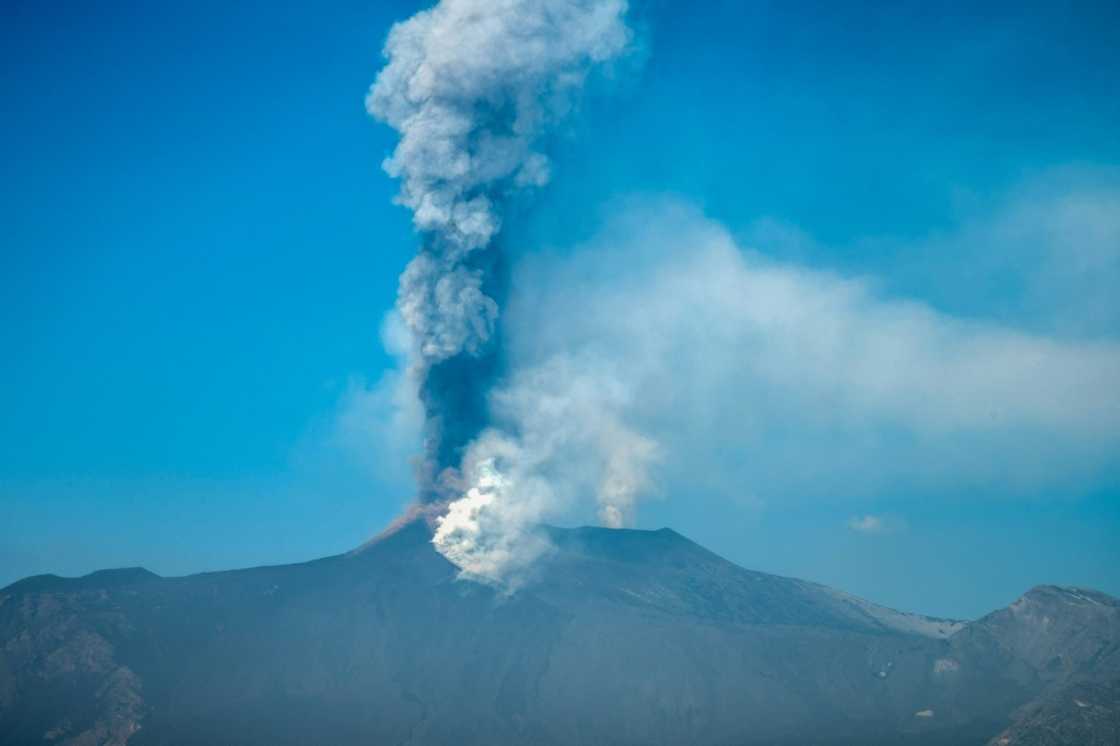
(899, 621)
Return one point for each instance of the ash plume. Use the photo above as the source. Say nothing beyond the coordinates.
(471, 86)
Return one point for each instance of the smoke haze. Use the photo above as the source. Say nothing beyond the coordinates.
(774, 380)
(665, 352)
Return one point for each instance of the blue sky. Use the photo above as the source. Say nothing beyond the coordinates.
(200, 247)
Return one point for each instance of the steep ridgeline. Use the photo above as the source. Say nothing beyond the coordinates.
(624, 637)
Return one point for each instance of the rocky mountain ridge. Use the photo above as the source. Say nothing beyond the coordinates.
(622, 637)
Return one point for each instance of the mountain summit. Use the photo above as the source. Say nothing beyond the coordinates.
(621, 637)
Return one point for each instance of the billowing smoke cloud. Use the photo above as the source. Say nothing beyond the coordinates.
(471, 85)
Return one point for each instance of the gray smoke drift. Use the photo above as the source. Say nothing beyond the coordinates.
(471, 86)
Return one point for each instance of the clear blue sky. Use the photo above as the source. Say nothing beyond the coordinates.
(199, 246)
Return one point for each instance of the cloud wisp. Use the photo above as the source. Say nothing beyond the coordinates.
(875, 525)
(1043, 256)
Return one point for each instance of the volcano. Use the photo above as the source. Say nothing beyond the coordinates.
(620, 637)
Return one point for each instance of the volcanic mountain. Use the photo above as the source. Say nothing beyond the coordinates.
(621, 637)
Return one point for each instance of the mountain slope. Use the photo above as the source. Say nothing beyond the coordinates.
(622, 637)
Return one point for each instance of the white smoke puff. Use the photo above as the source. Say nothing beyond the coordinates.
(571, 443)
(629, 455)
(490, 532)
(470, 86)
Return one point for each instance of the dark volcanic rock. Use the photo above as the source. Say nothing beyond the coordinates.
(624, 637)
